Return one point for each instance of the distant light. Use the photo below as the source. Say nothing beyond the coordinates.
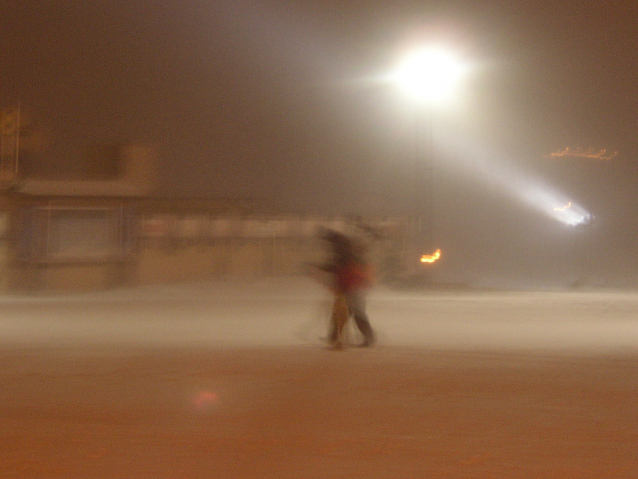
(571, 214)
(502, 174)
(563, 208)
(429, 74)
(432, 257)
(576, 220)
(590, 153)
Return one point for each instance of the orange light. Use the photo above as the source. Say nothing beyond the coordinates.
(431, 258)
(563, 208)
(582, 153)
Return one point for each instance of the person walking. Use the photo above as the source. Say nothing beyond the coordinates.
(351, 278)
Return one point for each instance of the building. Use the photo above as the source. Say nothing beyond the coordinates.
(107, 230)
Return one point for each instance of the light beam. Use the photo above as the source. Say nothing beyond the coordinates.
(502, 174)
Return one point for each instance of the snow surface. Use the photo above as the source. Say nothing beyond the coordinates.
(231, 380)
(290, 312)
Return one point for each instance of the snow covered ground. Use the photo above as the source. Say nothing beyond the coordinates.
(231, 380)
(289, 312)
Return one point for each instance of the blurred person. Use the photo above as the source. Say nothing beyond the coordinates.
(350, 278)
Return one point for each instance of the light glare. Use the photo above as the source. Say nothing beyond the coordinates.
(429, 74)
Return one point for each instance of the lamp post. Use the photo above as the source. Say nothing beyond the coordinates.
(429, 76)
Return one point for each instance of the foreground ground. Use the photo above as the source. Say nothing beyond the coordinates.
(231, 382)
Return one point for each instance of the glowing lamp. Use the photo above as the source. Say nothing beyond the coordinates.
(431, 258)
(429, 74)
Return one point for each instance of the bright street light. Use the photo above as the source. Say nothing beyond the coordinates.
(429, 74)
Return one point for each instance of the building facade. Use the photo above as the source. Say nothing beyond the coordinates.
(57, 243)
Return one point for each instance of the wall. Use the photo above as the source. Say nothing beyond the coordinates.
(89, 245)
(224, 258)
(180, 248)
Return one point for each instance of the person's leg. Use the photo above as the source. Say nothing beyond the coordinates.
(338, 321)
(357, 307)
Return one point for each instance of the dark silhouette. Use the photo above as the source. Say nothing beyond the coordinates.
(350, 277)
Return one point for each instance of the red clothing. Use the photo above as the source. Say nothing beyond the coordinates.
(353, 276)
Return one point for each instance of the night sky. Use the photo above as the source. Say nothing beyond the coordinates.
(281, 101)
